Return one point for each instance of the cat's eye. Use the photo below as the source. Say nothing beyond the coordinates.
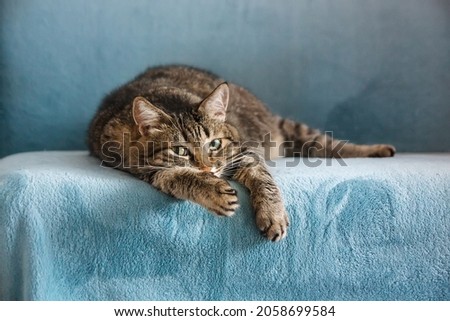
(180, 150)
(215, 144)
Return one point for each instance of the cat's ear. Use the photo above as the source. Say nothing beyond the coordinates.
(147, 116)
(215, 105)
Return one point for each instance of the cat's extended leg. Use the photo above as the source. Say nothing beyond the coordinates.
(213, 193)
(271, 217)
(302, 140)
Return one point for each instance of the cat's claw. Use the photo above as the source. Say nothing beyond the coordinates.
(222, 200)
(273, 226)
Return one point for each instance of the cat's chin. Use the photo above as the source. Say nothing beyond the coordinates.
(213, 171)
(215, 174)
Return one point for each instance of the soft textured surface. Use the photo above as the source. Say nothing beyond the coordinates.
(376, 229)
(368, 70)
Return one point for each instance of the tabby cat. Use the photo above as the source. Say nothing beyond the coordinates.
(186, 132)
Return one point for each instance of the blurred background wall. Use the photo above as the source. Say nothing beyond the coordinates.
(370, 71)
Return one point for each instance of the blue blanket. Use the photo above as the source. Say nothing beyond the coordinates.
(369, 229)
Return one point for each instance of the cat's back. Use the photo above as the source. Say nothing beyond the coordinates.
(193, 80)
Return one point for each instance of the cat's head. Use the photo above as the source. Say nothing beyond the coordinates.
(196, 137)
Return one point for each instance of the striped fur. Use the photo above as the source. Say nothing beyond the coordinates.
(186, 132)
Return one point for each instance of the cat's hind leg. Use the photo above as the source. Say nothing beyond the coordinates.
(302, 140)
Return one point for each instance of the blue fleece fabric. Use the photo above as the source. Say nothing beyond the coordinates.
(376, 229)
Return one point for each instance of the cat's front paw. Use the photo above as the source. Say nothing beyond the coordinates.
(273, 222)
(221, 199)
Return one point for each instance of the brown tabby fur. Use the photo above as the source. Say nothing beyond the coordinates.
(161, 128)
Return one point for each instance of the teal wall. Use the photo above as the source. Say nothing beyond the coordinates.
(370, 71)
